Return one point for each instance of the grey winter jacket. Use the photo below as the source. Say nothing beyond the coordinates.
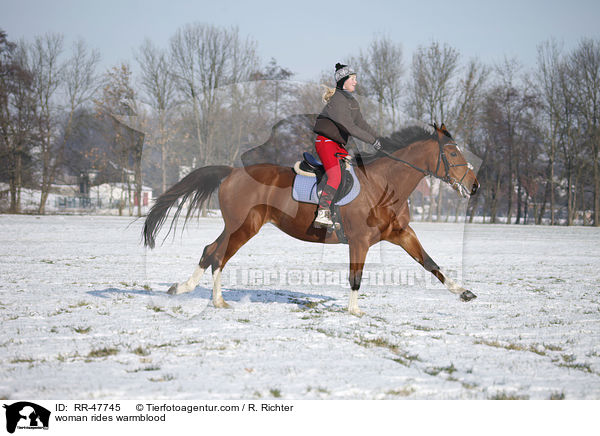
(341, 118)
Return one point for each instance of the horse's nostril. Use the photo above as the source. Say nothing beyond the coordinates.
(474, 188)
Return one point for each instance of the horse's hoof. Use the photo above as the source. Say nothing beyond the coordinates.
(221, 304)
(356, 312)
(173, 289)
(467, 296)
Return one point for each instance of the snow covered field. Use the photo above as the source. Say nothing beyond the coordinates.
(85, 315)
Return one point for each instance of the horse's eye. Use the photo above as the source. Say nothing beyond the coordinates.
(453, 154)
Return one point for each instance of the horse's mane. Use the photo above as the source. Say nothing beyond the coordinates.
(398, 140)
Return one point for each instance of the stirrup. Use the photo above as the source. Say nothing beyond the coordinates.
(323, 219)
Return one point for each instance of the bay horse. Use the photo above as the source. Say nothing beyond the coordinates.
(252, 196)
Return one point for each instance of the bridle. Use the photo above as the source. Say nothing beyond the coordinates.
(442, 159)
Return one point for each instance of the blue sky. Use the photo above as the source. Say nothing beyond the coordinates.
(311, 36)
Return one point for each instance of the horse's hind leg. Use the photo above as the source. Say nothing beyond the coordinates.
(408, 240)
(228, 245)
(189, 285)
(205, 262)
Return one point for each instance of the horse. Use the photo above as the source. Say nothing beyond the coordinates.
(252, 196)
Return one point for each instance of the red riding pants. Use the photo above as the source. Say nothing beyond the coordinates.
(330, 153)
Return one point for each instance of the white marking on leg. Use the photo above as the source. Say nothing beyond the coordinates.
(453, 286)
(353, 303)
(218, 300)
(189, 285)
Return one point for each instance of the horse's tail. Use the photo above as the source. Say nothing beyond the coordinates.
(196, 186)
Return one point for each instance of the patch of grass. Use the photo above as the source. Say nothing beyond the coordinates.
(423, 328)
(328, 333)
(60, 312)
(406, 359)
(82, 330)
(141, 351)
(79, 304)
(194, 341)
(311, 316)
(146, 368)
(103, 352)
(568, 358)
(276, 393)
(147, 288)
(403, 392)
(469, 386)
(306, 304)
(154, 308)
(508, 396)
(510, 346)
(585, 367)
(402, 357)
(165, 345)
(319, 390)
(438, 369)
(64, 357)
(164, 378)
(22, 360)
(378, 342)
(244, 320)
(551, 347)
(557, 396)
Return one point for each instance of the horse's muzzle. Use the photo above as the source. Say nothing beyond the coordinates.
(475, 187)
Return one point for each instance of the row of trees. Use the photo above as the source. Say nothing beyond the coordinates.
(206, 97)
(537, 131)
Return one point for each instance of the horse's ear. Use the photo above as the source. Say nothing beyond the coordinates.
(439, 131)
(443, 131)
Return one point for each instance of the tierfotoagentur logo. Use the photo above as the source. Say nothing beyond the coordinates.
(26, 416)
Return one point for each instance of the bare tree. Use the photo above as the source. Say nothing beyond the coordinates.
(509, 102)
(381, 70)
(432, 88)
(585, 61)
(205, 58)
(467, 107)
(118, 106)
(569, 135)
(274, 87)
(60, 88)
(159, 88)
(47, 70)
(17, 118)
(548, 83)
(431, 94)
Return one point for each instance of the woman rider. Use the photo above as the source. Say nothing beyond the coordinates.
(340, 119)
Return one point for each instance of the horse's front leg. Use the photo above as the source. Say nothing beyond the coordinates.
(358, 254)
(407, 239)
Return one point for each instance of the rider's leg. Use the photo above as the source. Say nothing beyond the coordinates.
(327, 149)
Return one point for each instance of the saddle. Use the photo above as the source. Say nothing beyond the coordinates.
(312, 167)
